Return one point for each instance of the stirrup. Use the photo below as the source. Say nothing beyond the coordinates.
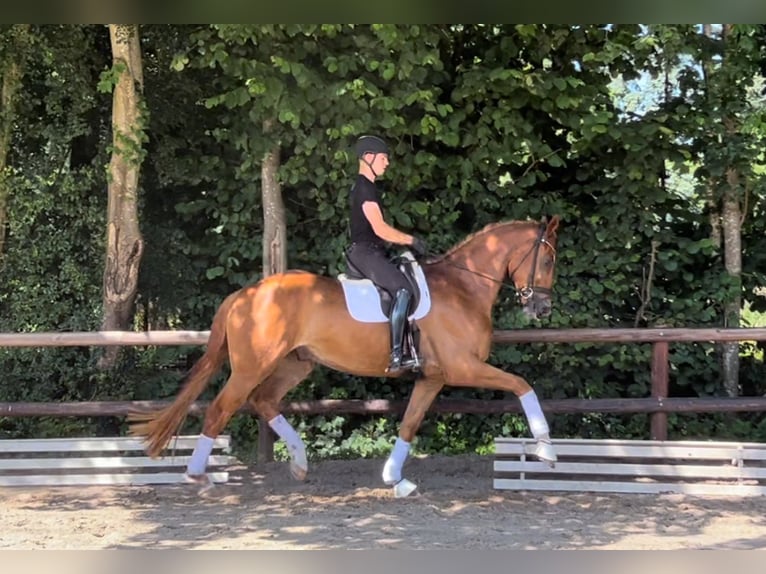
(394, 367)
(402, 364)
(395, 363)
(411, 363)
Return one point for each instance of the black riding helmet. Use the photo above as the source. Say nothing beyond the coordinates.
(370, 144)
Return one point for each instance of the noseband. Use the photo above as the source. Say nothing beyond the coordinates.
(530, 288)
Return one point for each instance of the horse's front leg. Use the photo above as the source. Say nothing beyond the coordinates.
(478, 374)
(423, 394)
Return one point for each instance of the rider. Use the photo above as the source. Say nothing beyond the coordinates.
(369, 234)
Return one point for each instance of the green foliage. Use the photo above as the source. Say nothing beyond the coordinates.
(109, 78)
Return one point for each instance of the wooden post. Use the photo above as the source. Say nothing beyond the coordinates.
(659, 421)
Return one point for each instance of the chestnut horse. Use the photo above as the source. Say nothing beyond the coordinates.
(274, 332)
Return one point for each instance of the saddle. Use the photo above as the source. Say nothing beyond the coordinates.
(404, 263)
(368, 303)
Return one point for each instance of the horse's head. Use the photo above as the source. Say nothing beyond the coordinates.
(532, 273)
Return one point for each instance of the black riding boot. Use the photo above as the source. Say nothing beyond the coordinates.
(398, 319)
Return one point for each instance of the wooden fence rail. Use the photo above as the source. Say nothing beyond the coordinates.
(385, 406)
(658, 404)
(162, 338)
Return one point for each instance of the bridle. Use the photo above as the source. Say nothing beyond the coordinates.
(530, 288)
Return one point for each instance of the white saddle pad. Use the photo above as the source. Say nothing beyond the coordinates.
(363, 299)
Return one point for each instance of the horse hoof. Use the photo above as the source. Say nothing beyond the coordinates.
(404, 488)
(299, 464)
(545, 452)
(201, 480)
(298, 472)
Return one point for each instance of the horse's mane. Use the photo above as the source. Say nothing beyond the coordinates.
(487, 228)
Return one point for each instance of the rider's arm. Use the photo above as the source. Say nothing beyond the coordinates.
(382, 229)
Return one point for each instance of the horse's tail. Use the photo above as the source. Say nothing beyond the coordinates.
(159, 427)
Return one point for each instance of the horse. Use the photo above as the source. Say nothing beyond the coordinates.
(273, 333)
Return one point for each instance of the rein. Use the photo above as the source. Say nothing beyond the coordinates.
(529, 289)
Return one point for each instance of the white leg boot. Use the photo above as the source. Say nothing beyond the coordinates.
(299, 465)
(392, 470)
(195, 468)
(539, 427)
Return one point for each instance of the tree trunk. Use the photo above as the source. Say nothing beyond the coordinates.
(10, 81)
(274, 225)
(274, 253)
(731, 227)
(732, 245)
(726, 224)
(124, 244)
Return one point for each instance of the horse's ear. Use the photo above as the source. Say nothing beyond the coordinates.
(553, 225)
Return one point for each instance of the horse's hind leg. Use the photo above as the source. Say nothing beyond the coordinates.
(229, 399)
(265, 400)
(423, 394)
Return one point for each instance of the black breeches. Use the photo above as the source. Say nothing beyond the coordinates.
(374, 264)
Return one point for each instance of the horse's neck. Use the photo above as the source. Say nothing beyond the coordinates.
(479, 269)
(489, 254)
(486, 254)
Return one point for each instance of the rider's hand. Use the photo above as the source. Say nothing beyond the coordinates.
(418, 247)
